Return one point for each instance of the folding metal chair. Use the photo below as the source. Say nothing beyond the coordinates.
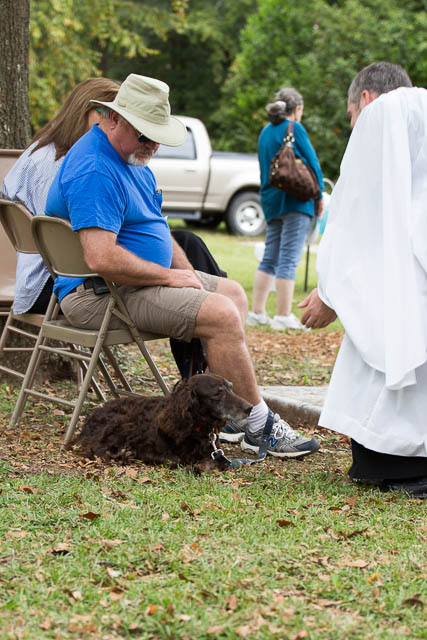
(16, 225)
(16, 221)
(61, 250)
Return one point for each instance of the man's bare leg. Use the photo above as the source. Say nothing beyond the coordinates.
(220, 326)
(236, 293)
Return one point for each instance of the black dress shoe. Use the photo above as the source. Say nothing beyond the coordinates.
(414, 487)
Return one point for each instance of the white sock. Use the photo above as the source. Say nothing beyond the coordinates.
(257, 417)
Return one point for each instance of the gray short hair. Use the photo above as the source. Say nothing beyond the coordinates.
(285, 102)
(379, 77)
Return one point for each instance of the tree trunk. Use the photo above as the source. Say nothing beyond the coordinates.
(15, 130)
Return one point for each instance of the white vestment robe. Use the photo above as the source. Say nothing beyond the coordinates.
(372, 270)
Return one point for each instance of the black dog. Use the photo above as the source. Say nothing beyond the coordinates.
(174, 429)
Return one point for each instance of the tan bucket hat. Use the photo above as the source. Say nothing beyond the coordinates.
(144, 103)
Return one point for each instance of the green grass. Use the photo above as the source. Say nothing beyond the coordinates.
(257, 554)
(279, 551)
(235, 254)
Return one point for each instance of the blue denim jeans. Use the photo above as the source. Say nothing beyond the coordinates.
(284, 242)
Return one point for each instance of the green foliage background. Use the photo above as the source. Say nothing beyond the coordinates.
(225, 59)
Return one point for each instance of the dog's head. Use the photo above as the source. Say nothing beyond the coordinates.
(212, 400)
(200, 406)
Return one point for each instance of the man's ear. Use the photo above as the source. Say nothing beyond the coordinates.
(114, 119)
(366, 97)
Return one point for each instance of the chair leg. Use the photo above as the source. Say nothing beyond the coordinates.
(107, 377)
(89, 374)
(119, 373)
(27, 383)
(81, 368)
(31, 371)
(5, 331)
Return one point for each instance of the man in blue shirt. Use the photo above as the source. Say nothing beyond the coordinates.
(109, 194)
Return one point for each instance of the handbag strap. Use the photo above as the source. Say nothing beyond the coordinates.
(289, 137)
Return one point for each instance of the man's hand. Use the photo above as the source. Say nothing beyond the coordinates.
(317, 314)
(183, 278)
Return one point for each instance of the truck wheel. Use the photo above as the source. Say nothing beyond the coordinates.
(245, 216)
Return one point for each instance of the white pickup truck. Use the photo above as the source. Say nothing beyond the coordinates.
(205, 186)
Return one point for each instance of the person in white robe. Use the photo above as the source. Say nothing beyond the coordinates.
(372, 273)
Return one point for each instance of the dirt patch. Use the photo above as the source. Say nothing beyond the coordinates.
(279, 358)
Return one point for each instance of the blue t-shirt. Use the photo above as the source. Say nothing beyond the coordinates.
(95, 187)
(274, 201)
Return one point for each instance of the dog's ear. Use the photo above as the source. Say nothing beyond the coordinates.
(176, 420)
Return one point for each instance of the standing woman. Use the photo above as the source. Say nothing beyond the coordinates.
(288, 219)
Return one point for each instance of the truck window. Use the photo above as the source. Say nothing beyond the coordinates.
(186, 151)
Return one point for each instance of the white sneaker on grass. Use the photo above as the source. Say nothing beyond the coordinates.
(258, 319)
(283, 442)
(281, 323)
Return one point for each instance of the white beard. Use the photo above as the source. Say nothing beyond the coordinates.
(136, 162)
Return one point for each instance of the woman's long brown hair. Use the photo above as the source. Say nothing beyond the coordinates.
(70, 123)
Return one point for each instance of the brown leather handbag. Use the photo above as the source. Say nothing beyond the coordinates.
(291, 174)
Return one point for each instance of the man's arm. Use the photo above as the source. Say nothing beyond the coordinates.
(317, 314)
(104, 256)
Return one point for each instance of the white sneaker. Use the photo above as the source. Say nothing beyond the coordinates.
(280, 323)
(258, 319)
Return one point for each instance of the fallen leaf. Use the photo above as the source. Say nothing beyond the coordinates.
(61, 549)
(285, 523)
(351, 501)
(109, 544)
(232, 603)
(76, 595)
(181, 576)
(113, 573)
(184, 617)
(90, 515)
(361, 564)
(185, 506)
(27, 489)
(243, 631)
(351, 534)
(215, 629)
(413, 601)
(150, 610)
(374, 577)
(16, 534)
(83, 629)
(328, 603)
(46, 624)
(300, 635)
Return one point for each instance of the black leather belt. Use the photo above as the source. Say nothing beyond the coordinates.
(96, 283)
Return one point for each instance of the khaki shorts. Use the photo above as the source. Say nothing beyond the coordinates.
(164, 310)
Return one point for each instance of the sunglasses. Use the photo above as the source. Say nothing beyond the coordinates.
(142, 138)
